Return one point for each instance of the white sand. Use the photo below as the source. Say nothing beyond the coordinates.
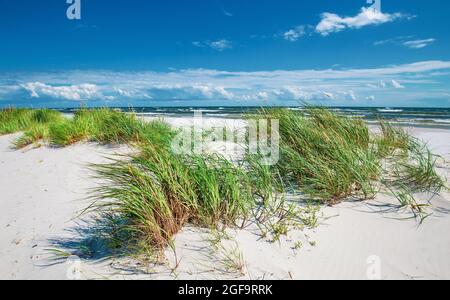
(43, 190)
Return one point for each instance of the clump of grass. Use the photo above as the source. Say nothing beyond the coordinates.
(33, 135)
(231, 260)
(68, 132)
(419, 171)
(159, 192)
(45, 116)
(326, 155)
(392, 139)
(331, 157)
(34, 124)
(14, 120)
(107, 127)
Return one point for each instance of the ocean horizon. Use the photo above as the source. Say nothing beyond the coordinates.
(407, 116)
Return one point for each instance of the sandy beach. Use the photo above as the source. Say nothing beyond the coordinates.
(44, 190)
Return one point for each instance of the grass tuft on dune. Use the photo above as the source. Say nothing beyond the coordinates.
(106, 127)
(13, 120)
(103, 126)
(160, 192)
(328, 156)
(150, 195)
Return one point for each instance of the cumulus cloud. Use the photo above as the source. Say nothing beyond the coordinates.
(131, 93)
(331, 22)
(219, 45)
(294, 34)
(338, 86)
(68, 92)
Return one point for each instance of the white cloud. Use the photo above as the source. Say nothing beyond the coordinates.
(131, 93)
(339, 86)
(294, 34)
(70, 92)
(331, 22)
(407, 42)
(385, 85)
(228, 14)
(350, 95)
(219, 45)
(419, 44)
(396, 84)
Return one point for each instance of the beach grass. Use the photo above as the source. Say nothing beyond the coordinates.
(331, 157)
(106, 126)
(150, 195)
(103, 126)
(328, 156)
(14, 120)
(33, 135)
(160, 192)
(419, 171)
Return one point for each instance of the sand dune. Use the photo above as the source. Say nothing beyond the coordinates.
(43, 190)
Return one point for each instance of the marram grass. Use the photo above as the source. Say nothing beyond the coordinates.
(328, 156)
(106, 127)
(103, 126)
(14, 120)
(149, 196)
(160, 192)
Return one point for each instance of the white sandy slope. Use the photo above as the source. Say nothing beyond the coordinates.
(43, 190)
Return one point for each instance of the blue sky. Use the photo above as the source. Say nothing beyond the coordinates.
(225, 52)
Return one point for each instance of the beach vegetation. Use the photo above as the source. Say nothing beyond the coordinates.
(14, 120)
(151, 194)
(327, 156)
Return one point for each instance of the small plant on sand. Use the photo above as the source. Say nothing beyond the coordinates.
(298, 245)
(407, 200)
(231, 260)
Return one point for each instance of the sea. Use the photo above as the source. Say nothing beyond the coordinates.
(420, 117)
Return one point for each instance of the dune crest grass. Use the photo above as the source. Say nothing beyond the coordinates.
(150, 195)
(160, 192)
(13, 120)
(331, 157)
(104, 126)
(328, 156)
